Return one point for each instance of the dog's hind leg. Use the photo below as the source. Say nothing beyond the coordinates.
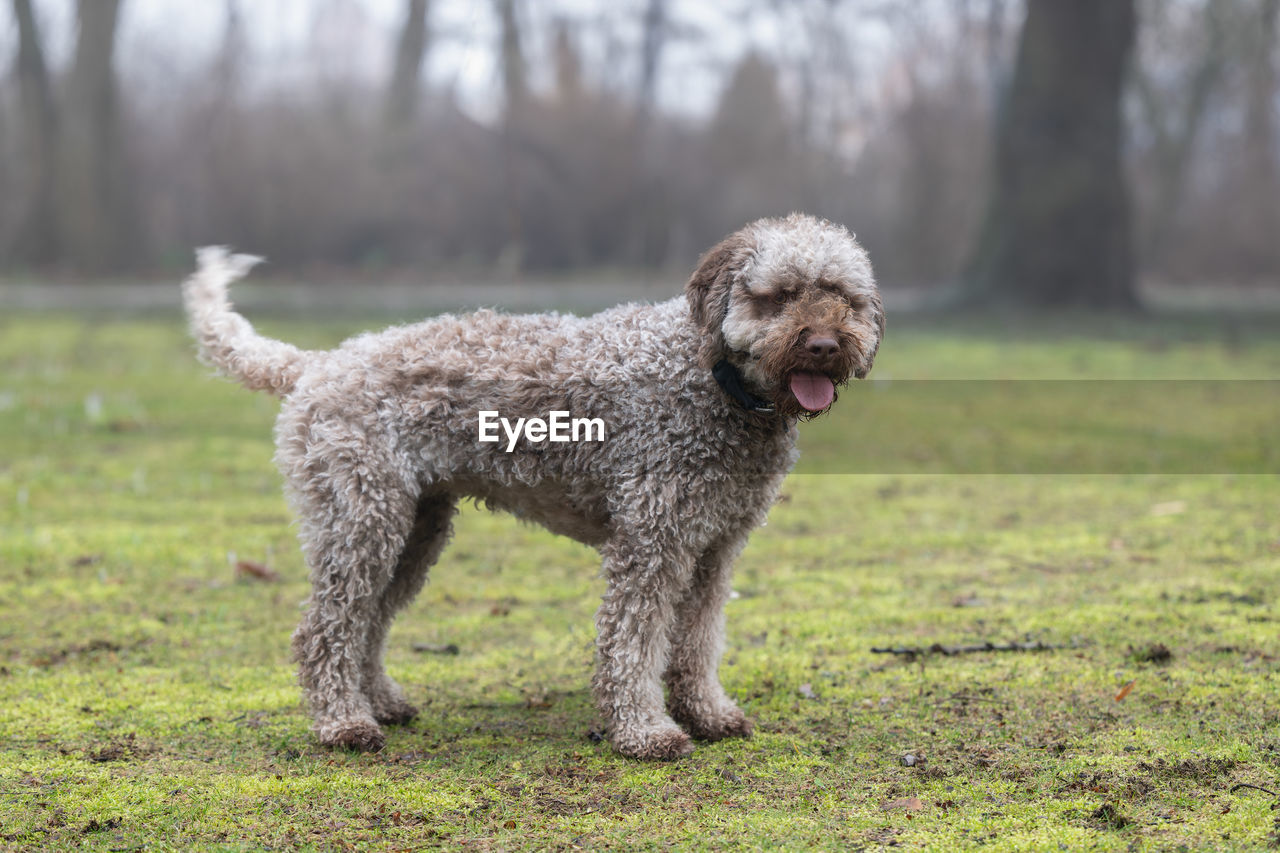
(355, 526)
(696, 698)
(431, 531)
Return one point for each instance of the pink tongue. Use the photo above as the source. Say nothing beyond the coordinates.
(813, 390)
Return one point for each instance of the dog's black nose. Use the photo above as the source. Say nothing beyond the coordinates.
(822, 347)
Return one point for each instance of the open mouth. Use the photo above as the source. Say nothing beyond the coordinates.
(813, 391)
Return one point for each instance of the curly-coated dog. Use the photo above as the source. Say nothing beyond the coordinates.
(698, 396)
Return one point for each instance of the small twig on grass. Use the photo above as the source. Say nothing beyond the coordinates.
(436, 648)
(969, 697)
(1235, 788)
(912, 652)
(256, 571)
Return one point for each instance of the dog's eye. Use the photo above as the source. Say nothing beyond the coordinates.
(781, 297)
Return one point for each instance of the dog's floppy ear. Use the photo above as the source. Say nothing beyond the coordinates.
(876, 309)
(709, 286)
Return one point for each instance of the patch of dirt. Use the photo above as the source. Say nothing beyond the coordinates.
(1202, 596)
(1154, 653)
(125, 748)
(886, 836)
(384, 818)
(578, 776)
(1087, 783)
(99, 646)
(100, 826)
(1108, 816)
(1197, 769)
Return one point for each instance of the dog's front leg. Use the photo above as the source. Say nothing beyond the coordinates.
(697, 700)
(645, 581)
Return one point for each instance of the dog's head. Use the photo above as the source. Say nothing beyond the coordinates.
(793, 305)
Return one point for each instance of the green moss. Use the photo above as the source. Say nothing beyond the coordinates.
(146, 697)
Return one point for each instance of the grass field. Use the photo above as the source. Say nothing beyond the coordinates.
(147, 700)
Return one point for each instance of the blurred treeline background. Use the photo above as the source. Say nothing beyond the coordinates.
(1057, 151)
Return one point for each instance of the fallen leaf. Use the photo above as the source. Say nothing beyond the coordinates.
(1169, 508)
(1126, 690)
(258, 571)
(806, 690)
(910, 804)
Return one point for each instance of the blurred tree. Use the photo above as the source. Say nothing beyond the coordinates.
(650, 220)
(1173, 115)
(1220, 223)
(515, 86)
(229, 64)
(749, 144)
(652, 46)
(95, 200)
(1260, 161)
(568, 64)
(995, 40)
(404, 90)
(515, 89)
(36, 241)
(750, 126)
(1058, 228)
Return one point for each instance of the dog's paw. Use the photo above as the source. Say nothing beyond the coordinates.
(714, 718)
(732, 723)
(395, 715)
(664, 743)
(359, 736)
(387, 702)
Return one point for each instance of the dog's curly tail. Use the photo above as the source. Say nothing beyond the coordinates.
(228, 341)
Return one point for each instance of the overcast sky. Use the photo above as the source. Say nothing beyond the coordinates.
(353, 37)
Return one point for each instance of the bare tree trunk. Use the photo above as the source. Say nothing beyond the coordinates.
(515, 89)
(655, 40)
(648, 231)
(995, 43)
(404, 90)
(1261, 162)
(514, 73)
(96, 213)
(1174, 138)
(228, 67)
(37, 237)
(1058, 227)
